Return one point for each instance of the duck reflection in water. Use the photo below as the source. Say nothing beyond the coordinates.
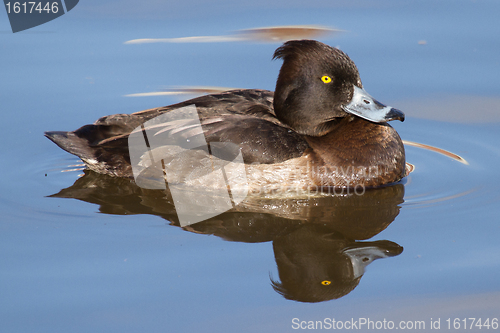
(316, 263)
(320, 243)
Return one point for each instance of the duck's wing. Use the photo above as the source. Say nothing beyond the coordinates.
(249, 102)
(243, 117)
(260, 141)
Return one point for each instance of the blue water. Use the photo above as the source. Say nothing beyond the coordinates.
(93, 265)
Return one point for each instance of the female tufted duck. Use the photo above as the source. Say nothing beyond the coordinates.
(319, 128)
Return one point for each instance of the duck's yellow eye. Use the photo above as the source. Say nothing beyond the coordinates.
(326, 282)
(326, 79)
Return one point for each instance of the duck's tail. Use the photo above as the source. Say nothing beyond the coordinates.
(98, 152)
(71, 143)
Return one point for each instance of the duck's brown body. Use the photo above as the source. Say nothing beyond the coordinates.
(321, 128)
(357, 152)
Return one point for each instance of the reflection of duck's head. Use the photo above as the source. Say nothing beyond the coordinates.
(316, 264)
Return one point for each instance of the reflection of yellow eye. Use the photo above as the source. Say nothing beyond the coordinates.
(326, 282)
(326, 79)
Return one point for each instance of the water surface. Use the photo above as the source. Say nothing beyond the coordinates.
(94, 254)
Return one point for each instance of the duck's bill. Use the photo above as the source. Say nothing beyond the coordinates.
(366, 107)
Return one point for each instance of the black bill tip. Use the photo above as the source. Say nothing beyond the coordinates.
(395, 114)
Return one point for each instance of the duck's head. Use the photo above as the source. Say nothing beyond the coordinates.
(317, 85)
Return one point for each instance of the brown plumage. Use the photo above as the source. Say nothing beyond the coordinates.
(319, 128)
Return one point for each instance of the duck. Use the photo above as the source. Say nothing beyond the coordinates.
(318, 129)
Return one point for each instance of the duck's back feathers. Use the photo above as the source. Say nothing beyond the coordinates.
(243, 117)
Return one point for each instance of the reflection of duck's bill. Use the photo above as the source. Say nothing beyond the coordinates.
(363, 253)
(446, 153)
